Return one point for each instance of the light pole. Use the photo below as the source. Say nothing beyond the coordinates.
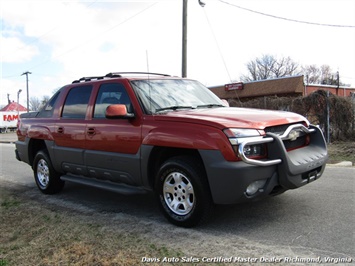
(26, 73)
(18, 100)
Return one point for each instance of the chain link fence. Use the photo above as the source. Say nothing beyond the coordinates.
(335, 115)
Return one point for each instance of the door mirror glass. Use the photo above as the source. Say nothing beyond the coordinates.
(117, 111)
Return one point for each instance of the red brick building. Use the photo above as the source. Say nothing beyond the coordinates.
(341, 91)
(293, 86)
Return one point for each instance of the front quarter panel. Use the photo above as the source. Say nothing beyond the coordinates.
(188, 136)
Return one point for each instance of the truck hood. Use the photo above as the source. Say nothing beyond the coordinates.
(232, 117)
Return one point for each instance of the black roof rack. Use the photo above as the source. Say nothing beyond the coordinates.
(116, 75)
(88, 79)
(119, 74)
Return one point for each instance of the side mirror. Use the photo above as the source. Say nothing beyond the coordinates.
(117, 111)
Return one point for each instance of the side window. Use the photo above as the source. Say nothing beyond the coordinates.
(47, 110)
(76, 102)
(110, 93)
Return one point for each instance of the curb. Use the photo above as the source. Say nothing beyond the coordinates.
(8, 141)
(341, 164)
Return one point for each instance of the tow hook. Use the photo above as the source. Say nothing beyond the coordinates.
(312, 176)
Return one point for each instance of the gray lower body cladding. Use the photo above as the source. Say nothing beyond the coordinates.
(229, 180)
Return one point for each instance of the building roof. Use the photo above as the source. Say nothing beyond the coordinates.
(13, 106)
(270, 87)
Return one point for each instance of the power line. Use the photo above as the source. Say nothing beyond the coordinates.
(219, 49)
(287, 19)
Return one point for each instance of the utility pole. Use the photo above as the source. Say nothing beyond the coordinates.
(184, 36)
(26, 73)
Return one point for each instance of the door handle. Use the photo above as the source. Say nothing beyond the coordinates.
(60, 130)
(91, 131)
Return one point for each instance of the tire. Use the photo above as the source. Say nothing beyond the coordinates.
(47, 179)
(183, 192)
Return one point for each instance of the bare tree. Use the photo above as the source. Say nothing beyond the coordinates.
(269, 66)
(36, 104)
(285, 66)
(312, 73)
(321, 75)
(44, 100)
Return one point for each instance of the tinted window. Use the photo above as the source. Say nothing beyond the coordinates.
(47, 110)
(76, 102)
(110, 93)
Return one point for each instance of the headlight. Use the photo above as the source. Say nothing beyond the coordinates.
(241, 132)
(239, 135)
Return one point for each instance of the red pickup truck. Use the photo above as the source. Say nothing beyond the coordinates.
(140, 132)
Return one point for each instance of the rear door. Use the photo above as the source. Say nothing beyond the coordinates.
(112, 145)
(70, 130)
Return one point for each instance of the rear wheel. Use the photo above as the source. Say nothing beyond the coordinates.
(47, 179)
(183, 192)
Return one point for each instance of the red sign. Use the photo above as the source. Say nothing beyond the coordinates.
(233, 86)
(10, 117)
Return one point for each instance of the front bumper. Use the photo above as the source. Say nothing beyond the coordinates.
(282, 169)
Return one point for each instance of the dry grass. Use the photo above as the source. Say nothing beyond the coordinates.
(341, 151)
(31, 234)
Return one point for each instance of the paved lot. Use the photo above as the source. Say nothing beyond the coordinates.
(10, 137)
(314, 221)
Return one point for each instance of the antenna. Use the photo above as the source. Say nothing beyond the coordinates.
(147, 59)
(150, 98)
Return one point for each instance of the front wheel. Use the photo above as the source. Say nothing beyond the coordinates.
(47, 179)
(183, 192)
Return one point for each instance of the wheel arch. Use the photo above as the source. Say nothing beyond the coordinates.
(159, 155)
(34, 146)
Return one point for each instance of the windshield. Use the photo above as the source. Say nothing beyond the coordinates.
(172, 94)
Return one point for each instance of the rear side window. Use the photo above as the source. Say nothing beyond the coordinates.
(76, 102)
(47, 110)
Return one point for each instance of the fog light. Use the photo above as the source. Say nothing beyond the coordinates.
(255, 186)
(253, 150)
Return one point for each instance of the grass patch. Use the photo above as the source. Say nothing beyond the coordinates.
(341, 151)
(3, 262)
(33, 234)
(8, 203)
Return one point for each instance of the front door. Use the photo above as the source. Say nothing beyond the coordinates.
(112, 145)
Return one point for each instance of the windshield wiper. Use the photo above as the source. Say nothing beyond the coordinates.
(174, 107)
(210, 105)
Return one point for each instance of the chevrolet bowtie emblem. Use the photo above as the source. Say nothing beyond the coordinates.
(293, 135)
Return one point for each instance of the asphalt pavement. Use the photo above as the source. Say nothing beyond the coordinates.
(9, 137)
(313, 222)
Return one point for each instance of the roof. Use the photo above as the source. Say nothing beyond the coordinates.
(14, 106)
(279, 86)
(118, 75)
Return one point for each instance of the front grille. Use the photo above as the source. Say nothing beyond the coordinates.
(279, 130)
(289, 144)
(298, 143)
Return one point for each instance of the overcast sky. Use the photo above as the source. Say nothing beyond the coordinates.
(60, 41)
